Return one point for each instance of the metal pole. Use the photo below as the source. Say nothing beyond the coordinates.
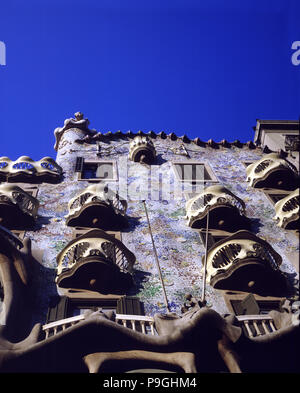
(156, 258)
(205, 260)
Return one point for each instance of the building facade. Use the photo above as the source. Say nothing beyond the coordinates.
(152, 234)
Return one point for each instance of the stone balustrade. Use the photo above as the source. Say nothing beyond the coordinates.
(143, 324)
(257, 325)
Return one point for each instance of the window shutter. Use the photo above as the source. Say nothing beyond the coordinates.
(58, 309)
(79, 164)
(247, 306)
(130, 305)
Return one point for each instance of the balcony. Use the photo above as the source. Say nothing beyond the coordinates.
(26, 170)
(272, 171)
(140, 323)
(18, 209)
(95, 261)
(245, 262)
(141, 149)
(256, 325)
(97, 207)
(287, 211)
(226, 210)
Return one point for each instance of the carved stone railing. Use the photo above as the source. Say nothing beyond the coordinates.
(97, 206)
(143, 324)
(272, 171)
(247, 263)
(257, 325)
(287, 211)
(95, 261)
(25, 169)
(62, 324)
(141, 149)
(227, 211)
(18, 209)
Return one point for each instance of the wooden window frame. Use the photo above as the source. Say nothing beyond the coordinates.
(209, 171)
(114, 177)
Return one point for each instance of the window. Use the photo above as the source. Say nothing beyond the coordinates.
(242, 304)
(213, 237)
(193, 172)
(62, 307)
(275, 195)
(81, 231)
(19, 234)
(292, 142)
(96, 171)
(247, 163)
(80, 306)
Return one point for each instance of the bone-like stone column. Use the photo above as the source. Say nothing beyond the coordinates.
(65, 137)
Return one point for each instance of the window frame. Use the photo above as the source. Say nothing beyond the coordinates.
(78, 231)
(212, 177)
(115, 175)
(247, 163)
(269, 192)
(214, 235)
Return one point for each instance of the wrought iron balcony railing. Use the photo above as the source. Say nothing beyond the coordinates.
(272, 171)
(95, 261)
(18, 209)
(246, 263)
(227, 211)
(97, 206)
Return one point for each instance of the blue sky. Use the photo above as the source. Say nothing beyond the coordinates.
(201, 68)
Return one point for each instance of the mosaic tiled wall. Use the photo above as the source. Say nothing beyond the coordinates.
(179, 248)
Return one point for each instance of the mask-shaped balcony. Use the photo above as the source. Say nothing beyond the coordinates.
(287, 211)
(18, 209)
(271, 171)
(26, 170)
(97, 207)
(245, 262)
(226, 210)
(95, 261)
(141, 149)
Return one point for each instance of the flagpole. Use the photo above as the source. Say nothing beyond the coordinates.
(205, 260)
(156, 258)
